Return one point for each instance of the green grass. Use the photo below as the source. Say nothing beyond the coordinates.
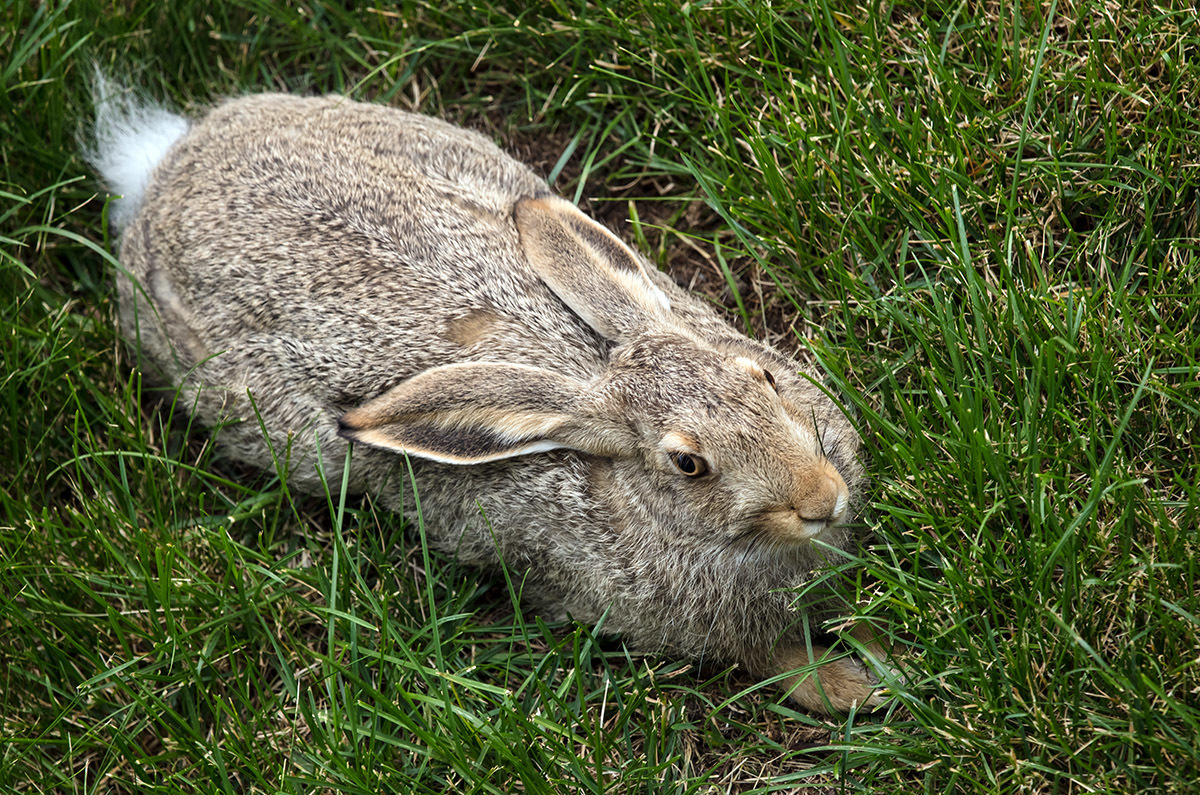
(979, 218)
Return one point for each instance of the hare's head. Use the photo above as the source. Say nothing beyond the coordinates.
(721, 436)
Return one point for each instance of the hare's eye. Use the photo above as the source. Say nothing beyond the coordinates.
(691, 465)
(770, 379)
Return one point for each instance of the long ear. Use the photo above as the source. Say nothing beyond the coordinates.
(588, 267)
(475, 412)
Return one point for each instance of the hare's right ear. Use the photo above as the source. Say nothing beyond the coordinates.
(588, 267)
(470, 413)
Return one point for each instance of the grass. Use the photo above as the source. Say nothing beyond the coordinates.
(979, 218)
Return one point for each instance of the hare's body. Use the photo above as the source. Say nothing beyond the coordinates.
(370, 274)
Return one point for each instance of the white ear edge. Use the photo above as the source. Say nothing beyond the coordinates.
(381, 441)
(642, 282)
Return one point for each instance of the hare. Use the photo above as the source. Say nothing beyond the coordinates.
(317, 273)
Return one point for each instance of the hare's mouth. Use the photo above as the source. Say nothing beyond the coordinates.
(786, 524)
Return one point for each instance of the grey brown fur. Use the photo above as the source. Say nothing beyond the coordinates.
(384, 277)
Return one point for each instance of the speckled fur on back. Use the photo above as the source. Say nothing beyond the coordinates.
(387, 278)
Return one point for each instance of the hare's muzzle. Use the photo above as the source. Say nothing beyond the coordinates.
(819, 501)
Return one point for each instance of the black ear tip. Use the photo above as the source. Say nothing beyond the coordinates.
(347, 430)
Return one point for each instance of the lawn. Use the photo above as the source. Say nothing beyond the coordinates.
(979, 219)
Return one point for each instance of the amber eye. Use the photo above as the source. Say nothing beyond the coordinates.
(691, 465)
(770, 379)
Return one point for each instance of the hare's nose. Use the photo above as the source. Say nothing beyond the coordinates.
(823, 499)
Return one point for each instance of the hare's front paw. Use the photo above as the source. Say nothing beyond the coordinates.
(837, 683)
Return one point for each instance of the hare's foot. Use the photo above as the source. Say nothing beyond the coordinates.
(836, 684)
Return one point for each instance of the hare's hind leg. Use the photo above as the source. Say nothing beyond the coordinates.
(155, 321)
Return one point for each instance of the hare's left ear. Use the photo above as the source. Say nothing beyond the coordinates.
(470, 413)
(588, 267)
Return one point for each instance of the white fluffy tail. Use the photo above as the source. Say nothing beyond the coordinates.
(132, 135)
